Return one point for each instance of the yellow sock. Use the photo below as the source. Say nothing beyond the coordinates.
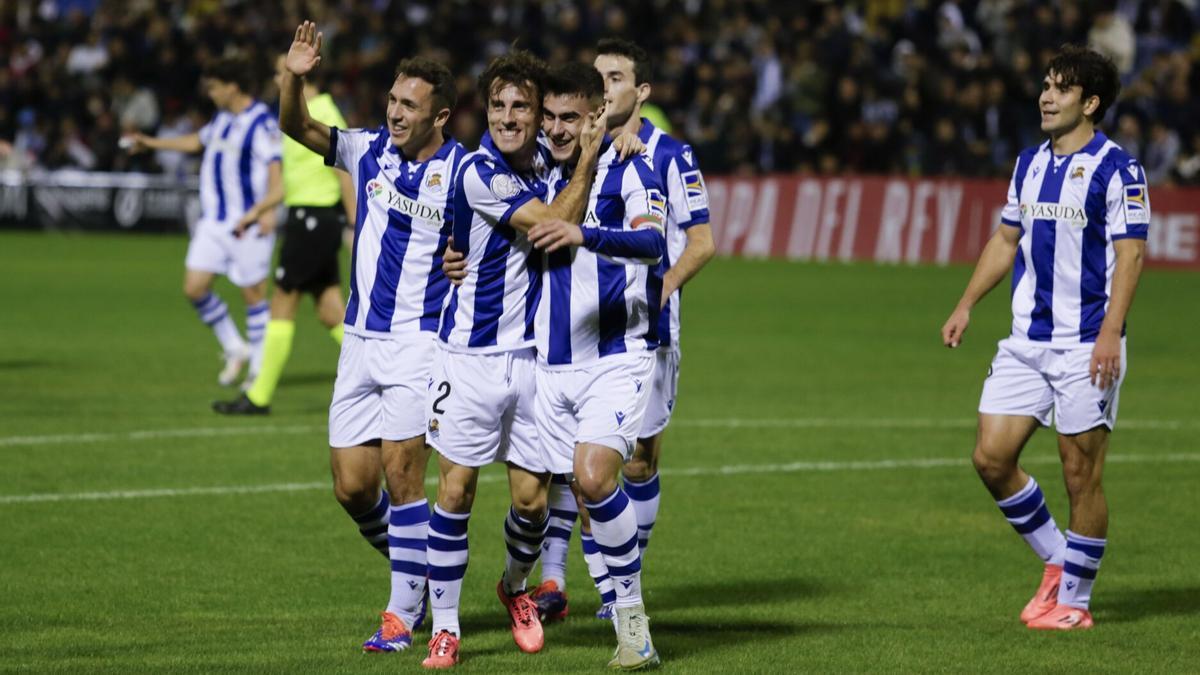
(277, 347)
(337, 331)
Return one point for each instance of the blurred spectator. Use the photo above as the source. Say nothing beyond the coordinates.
(923, 87)
(1112, 35)
(1161, 152)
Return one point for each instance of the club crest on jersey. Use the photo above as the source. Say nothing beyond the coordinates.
(1136, 211)
(693, 186)
(434, 182)
(504, 186)
(1077, 173)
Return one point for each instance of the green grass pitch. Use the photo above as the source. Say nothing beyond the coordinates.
(819, 513)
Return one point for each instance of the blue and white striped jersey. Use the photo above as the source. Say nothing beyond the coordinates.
(404, 215)
(603, 298)
(237, 150)
(1070, 210)
(687, 205)
(493, 309)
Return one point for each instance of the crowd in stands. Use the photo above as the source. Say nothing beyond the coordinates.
(917, 87)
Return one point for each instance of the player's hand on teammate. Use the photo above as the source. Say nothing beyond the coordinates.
(955, 327)
(454, 264)
(555, 234)
(628, 145)
(1105, 367)
(305, 52)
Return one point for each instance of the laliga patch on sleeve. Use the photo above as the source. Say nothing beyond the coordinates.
(504, 186)
(657, 203)
(1137, 212)
(693, 186)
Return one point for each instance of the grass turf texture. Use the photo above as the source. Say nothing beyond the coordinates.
(788, 569)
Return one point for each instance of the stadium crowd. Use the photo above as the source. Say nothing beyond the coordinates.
(883, 86)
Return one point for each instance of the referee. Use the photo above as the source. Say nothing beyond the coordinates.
(308, 260)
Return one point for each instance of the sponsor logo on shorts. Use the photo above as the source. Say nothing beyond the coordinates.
(620, 418)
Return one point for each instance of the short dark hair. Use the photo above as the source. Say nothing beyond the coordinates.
(574, 79)
(233, 70)
(1093, 72)
(445, 92)
(622, 47)
(519, 68)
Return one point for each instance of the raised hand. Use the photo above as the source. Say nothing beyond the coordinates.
(593, 130)
(305, 52)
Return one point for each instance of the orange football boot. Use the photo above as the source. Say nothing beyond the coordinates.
(523, 612)
(1063, 617)
(443, 651)
(1046, 597)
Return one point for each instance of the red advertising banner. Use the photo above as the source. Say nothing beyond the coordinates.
(902, 220)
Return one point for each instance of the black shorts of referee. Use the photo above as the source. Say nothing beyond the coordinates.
(308, 260)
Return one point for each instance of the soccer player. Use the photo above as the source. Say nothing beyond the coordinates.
(308, 258)
(1073, 231)
(240, 186)
(402, 175)
(597, 333)
(481, 400)
(626, 70)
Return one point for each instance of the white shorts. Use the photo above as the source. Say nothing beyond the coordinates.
(1033, 381)
(380, 389)
(213, 248)
(603, 403)
(662, 393)
(480, 408)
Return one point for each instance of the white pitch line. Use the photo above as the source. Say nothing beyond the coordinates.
(154, 434)
(730, 470)
(730, 423)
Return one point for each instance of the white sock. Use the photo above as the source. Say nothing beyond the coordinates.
(447, 554)
(563, 513)
(1027, 512)
(1079, 570)
(213, 311)
(523, 544)
(407, 528)
(614, 527)
(644, 497)
(257, 316)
